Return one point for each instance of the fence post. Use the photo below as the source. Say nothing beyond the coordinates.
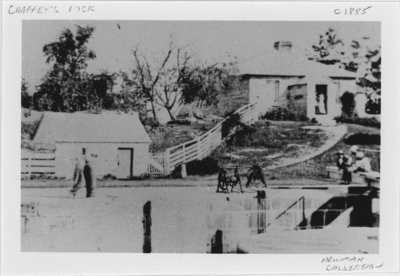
(28, 167)
(146, 227)
(261, 211)
(184, 153)
(216, 243)
(199, 156)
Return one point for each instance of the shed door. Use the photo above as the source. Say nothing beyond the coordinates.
(125, 163)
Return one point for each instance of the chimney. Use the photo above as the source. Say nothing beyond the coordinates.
(283, 46)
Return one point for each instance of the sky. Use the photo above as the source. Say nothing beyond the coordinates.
(208, 41)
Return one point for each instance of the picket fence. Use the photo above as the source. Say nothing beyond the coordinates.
(36, 164)
(163, 163)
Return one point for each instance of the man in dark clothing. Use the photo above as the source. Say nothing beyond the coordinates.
(90, 178)
(343, 162)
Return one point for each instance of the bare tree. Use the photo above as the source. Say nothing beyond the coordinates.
(160, 83)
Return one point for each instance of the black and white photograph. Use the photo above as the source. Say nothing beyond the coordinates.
(200, 137)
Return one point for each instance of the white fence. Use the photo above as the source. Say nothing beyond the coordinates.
(33, 163)
(164, 163)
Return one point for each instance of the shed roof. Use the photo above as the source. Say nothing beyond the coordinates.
(290, 65)
(84, 127)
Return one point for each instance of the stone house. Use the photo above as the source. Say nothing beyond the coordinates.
(285, 79)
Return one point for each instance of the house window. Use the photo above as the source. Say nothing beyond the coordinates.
(83, 151)
(276, 91)
(298, 97)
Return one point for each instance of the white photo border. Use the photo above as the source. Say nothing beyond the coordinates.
(15, 261)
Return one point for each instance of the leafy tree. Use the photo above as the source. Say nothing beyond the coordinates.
(203, 84)
(329, 49)
(63, 87)
(358, 57)
(129, 98)
(99, 91)
(370, 70)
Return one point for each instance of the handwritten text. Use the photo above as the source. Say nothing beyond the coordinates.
(352, 263)
(51, 9)
(351, 11)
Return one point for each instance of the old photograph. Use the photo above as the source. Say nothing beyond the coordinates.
(201, 136)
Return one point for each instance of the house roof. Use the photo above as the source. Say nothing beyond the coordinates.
(84, 127)
(312, 79)
(290, 65)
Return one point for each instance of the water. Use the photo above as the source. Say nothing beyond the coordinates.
(183, 220)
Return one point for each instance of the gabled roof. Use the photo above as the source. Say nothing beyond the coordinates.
(84, 127)
(290, 65)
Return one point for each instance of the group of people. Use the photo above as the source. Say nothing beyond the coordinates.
(353, 163)
(84, 170)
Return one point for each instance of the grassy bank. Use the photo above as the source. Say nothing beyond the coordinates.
(269, 143)
(316, 167)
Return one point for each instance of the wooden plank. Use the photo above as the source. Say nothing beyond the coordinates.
(42, 173)
(43, 170)
(38, 163)
(192, 147)
(38, 155)
(192, 151)
(176, 159)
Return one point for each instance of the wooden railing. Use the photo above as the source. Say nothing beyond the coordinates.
(33, 163)
(199, 147)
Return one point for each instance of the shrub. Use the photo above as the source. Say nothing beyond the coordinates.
(363, 139)
(373, 106)
(180, 122)
(109, 177)
(348, 103)
(149, 121)
(279, 113)
(230, 124)
(242, 137)
(205, 166)
(372, 122)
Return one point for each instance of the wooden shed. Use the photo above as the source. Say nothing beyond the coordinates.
(118, 144)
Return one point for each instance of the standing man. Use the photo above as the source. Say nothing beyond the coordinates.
(343, 162)
(78, 172)
(90, 176)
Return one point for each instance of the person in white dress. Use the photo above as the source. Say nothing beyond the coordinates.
(321, 104)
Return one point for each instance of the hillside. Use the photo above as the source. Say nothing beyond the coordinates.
(367, 139)
(270, 143)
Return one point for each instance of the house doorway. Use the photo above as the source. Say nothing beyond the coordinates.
(321, 96)
(125, 163)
